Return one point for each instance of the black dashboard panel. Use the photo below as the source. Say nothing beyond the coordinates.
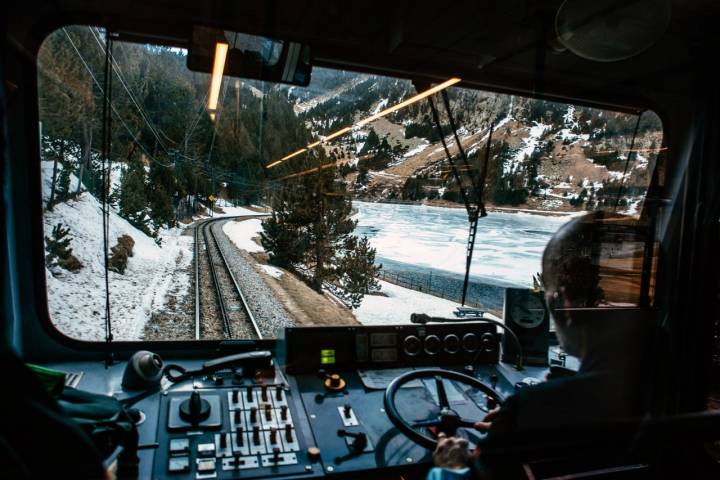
(309, 349)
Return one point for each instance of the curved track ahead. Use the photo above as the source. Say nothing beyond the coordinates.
(229, 312)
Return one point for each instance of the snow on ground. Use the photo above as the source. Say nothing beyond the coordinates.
(529, 145)
(242, 234)
(77, 300)
(381, 104)
(416, 150)
(270, 270)
(399, 303)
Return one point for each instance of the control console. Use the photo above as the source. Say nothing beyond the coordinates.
(244, 428)
(323, 412)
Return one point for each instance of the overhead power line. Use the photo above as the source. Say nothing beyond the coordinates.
(97, 84)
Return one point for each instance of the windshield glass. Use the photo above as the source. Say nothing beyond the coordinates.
(307, 206)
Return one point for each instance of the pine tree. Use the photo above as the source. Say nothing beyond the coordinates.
(160, 187)
(59, 251)
(310, 232)
(62, 187)
(133, 199)
(356, 270)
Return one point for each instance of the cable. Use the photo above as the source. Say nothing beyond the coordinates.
(102, 91)
(116, 68)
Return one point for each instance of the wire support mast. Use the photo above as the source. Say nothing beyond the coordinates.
(473, 200)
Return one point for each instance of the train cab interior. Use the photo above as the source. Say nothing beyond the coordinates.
(360, 240)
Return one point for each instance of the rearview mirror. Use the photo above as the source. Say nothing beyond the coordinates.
(251, 56)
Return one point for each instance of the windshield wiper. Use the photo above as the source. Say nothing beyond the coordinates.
(473, 200)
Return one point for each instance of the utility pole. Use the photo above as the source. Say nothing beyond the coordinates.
(237, 104)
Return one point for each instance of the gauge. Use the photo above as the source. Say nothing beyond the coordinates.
(411, 345)
(470, 342)
(432, 344)
(487, 342)
(451, 343)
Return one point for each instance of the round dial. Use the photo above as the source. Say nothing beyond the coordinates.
(470, 342)
(432, 344)
(487, 342)
(412, 345)
(527, 312)
(451, 343)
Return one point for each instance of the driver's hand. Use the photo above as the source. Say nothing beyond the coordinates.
(486, 423)
(451, 452)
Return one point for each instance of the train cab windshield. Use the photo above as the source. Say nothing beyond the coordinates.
(330, 204)
(368, 240)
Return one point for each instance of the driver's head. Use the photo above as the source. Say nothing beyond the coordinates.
(571, 277)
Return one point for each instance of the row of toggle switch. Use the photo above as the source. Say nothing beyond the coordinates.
(253, 396)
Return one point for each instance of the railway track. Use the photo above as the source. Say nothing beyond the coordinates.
(225, 312)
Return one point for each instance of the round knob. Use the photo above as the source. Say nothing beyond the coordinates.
(432, 345)
(487, 341)
(470, 342)
(411, 345)
(313, 454)
(451, 343)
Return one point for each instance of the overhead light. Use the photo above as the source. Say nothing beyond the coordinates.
(371, 118)
(221, 50)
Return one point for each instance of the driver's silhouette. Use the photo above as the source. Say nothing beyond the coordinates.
(611, 385)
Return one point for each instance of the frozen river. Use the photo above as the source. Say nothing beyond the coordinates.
(416, 238)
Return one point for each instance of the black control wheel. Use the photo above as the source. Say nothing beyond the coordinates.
(448, 421)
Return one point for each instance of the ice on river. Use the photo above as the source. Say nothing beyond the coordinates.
(508, 249)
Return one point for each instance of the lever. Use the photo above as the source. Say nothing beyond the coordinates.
(359, 441)
(288, 432)
(493, 381)
(195, 409)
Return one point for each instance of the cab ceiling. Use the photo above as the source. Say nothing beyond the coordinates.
(499, 45)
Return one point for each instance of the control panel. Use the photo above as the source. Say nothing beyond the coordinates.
(323, 412)
(307, 349)
(244, 430)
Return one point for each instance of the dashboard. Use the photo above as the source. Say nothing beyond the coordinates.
(314, 407)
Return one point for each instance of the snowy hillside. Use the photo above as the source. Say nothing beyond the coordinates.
(76, 300)
(545, 155)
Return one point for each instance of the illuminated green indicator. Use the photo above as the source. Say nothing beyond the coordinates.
(327, 356)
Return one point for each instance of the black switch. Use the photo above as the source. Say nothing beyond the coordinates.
(347, 410)
(288, 433)
(249, 394)
(235, 396)
(239, 435)
(223, 441)
(268, 412)
(279, 393)
(237, 418)
(276, 454)
(256, 435)
(253, 415)
(273, 435)
(264, 393)
(284, 412)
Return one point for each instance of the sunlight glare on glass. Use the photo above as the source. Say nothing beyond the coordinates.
(365, 121)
